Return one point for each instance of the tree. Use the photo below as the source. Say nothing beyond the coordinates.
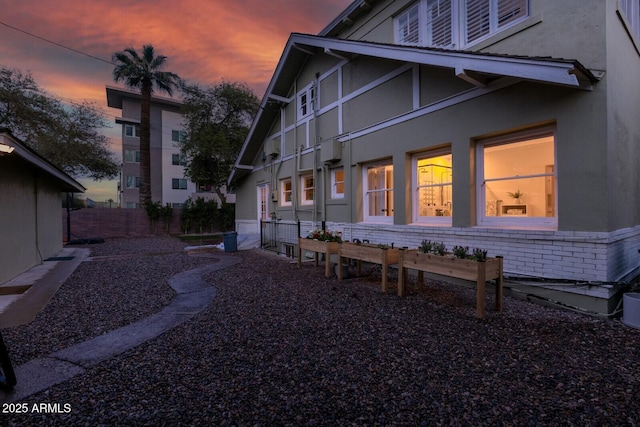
(142, 72)
(69, 136)
(216, 120)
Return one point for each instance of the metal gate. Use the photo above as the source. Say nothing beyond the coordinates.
(280, 237)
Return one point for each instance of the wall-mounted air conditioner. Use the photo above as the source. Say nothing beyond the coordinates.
(272, 148)
(330, 151)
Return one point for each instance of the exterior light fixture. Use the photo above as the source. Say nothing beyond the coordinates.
(6, 149)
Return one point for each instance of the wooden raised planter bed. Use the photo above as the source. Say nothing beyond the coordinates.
(466, 269)
(318, 246)
(369, 253)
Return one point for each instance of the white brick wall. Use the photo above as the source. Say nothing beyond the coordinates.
(590, 256)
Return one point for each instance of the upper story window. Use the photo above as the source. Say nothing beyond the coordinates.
(306, 98)
(132, 182)
(132, 156)
(178, 135)
(132, 130)
(178, 184)
(631, 11)
(178, 160)
(457, 24)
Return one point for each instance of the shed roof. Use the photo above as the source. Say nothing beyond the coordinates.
(10, 145)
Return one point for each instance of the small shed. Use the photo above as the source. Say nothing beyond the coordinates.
(30, 206)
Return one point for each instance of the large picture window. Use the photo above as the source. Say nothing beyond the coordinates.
(432, 187)
(378, 193)
(456, 24)
(517, 180)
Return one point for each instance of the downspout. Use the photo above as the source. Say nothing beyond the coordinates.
(37, 215)
(296, 165)
(315, 145)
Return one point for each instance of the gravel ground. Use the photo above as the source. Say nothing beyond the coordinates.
(285, 346)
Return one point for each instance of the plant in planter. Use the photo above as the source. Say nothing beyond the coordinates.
(461, 252)
(516, 195)
(325, 235)
(439, 249)
(426, 247)
(480, 254)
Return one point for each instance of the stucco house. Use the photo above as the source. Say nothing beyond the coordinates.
(30, 207)
(509, 125)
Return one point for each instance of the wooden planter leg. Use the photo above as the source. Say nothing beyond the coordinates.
(385, 268)
(401, 273)
(480, 292)
(339, 267)
(327, 264)
(499, 283)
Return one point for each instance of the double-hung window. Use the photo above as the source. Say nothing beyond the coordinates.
(378, 192)
(517, 180)
(286, 192)
(306, 189)
(456, 24)
(306, 99)
(337, 183)
(432, 187)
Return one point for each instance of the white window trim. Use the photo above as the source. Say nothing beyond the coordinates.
(303, 194)
(262, 200)
(334, 182)
(365, 192)
(415, 196)
(543, 223)
(458, 24)
(283, 201)
(305, 109)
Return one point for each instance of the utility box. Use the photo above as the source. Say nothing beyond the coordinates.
(330, 151)
(272, 148)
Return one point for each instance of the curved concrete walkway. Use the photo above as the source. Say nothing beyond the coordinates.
(193, 296)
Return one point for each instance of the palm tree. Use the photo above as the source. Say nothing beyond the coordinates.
(141, 72)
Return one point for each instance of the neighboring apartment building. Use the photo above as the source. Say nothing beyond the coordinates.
(406, 120)
(168, 181)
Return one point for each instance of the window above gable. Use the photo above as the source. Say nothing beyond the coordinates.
(456, 24)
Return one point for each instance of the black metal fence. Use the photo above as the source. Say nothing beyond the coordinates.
(280, 237)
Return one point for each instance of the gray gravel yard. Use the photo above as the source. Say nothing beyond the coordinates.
(281, 345)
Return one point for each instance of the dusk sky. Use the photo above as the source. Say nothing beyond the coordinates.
(205, 41)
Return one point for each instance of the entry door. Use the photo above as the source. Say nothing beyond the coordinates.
(263, 202)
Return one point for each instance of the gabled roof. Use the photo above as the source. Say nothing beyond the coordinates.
(12, 146)
(471, 66)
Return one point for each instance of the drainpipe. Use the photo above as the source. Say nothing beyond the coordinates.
(315, 145)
